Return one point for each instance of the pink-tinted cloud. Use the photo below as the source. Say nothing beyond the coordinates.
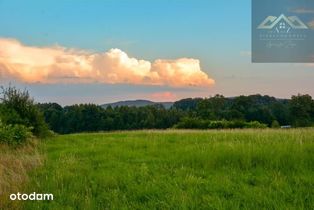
(61, 65)
(163, 96)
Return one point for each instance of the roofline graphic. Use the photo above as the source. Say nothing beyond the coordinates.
(290, 20)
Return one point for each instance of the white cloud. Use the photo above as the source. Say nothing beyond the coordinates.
(61, 65)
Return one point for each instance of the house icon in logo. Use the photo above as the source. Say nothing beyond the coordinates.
(282, 23)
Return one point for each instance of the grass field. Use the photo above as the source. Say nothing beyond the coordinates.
(240, 169)
(15, 164)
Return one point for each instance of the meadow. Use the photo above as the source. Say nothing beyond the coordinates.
(226, 169)
(15, 165)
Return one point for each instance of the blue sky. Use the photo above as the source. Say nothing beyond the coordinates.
(143, 28)
(217, 33)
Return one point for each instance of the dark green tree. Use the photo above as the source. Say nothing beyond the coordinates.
(302, 110)
(19, 108)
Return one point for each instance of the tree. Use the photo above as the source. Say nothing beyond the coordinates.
(187, 104)
(19, 108)
(53, 113)
(212, 108)
(302, 110)
(280, 111)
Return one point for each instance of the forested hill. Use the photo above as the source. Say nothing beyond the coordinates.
(137, 103)
(198, 113)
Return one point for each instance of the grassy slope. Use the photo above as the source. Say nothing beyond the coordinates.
(249, 169)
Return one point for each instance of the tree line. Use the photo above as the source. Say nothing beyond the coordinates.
(254, 111)
(22, 118)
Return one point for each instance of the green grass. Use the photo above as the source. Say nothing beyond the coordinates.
(240, 169)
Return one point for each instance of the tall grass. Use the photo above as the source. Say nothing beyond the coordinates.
(15, 164)
(234, 169)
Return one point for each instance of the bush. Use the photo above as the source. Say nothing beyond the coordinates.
(17, 107)
(237, 124)
(218, 124)
(275, 124)
(14, 134)
(195, 123)
(255, 124)
(192, 123)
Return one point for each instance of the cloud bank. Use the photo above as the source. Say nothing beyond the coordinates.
(50, 65)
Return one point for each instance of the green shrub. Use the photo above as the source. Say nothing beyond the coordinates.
(237, 124)
(17, 107)
(192, 123)
(14, 134)
(255, 124)
(275, 124)
(218, 124)
(195, 123)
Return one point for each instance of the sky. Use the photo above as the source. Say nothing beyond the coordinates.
(100, 51)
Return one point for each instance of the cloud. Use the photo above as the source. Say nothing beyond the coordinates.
(303, 10)
(163, 96)
(50, 65)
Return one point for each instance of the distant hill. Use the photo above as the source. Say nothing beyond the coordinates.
(137, 103)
